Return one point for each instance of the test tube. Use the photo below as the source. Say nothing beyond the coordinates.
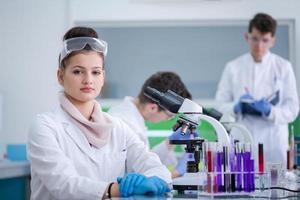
(247, 167)
(238, 167)
(260, 159)
(226, 170)
(219, 170)
(216, 182)
(252, 177)
(232, 169)
(204, 156)
(210, 166)
(209, 160)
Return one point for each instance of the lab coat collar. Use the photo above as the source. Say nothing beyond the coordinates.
(266, 58)
(75, 133)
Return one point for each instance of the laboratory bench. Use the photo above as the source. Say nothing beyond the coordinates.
(194, 196)
(14, 180)
(12, 169)
(286, 188)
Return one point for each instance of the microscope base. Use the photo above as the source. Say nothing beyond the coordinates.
(189, 181)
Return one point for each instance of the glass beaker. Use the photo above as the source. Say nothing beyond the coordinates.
(276, 173)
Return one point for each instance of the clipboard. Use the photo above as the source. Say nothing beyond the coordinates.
(247, 104)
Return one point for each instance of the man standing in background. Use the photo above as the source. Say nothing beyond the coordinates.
(262, 86)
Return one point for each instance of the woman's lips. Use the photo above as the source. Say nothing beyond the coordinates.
(87, 89)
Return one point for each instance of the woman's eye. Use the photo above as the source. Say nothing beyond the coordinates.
(76, 71)
(97, 72)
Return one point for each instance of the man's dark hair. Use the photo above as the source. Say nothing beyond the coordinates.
(163, 81)
(263, 23)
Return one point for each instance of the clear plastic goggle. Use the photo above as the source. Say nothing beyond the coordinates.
(79, 43)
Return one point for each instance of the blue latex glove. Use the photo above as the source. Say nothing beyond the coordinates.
(238, 106)
(152, 185)
(262, 106)
(129, 182)
(181, 165)
(178, 136)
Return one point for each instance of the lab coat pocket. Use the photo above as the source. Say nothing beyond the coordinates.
(115, 164)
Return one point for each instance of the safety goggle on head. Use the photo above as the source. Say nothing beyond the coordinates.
(79, 43)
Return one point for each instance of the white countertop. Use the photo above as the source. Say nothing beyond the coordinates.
(12, 169)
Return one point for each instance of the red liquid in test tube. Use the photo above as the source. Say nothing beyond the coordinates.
(209, 169)
(260, 159)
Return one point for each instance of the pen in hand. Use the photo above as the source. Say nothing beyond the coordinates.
(246, 90)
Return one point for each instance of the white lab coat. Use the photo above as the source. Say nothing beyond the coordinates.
(65, 166)
(263, 79)
(128, 112)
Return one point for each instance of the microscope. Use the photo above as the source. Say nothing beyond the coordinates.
(235, 130)
(190, 115)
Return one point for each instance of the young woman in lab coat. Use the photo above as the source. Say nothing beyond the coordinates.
(78, 152)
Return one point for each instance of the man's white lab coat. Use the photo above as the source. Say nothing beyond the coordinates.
(128, 112)
(262, 80)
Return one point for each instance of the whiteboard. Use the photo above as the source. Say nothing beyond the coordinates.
(198, 52)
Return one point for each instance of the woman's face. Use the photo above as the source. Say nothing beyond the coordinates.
(83, 76)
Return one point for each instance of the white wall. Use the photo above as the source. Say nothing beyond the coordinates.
(30, 35)
(31, 31)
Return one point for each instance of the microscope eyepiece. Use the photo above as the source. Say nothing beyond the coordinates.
(168, 100)
(153, 94)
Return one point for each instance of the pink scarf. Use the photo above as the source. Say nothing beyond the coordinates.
(98, 130)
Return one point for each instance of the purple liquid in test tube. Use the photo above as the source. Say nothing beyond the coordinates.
(247, 164)
(215, 181)
(252, 177)
(219, 171)
(239, 171)
(233, 170)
